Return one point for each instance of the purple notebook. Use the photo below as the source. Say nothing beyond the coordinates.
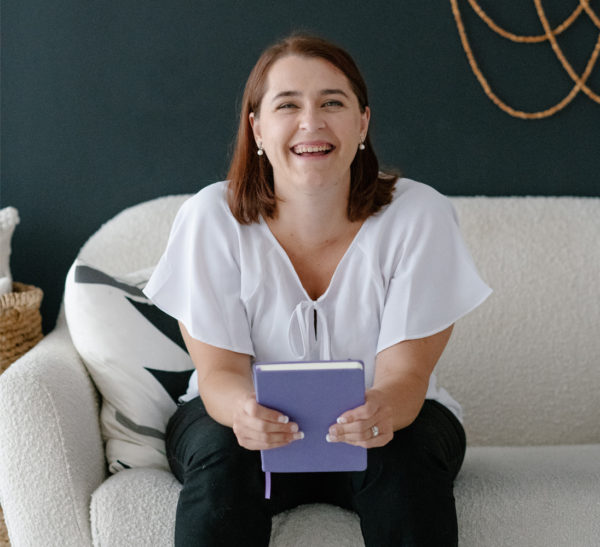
(312, 394)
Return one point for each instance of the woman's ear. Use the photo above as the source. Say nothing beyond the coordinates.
(364, 120)
(254, 123)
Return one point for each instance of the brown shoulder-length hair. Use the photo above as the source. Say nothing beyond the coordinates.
(251, 189)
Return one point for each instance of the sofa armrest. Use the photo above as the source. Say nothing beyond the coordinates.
(51, 453)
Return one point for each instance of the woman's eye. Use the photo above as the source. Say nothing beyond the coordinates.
(285, 106)
(333, 103)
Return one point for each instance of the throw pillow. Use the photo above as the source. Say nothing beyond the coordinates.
(136, 356)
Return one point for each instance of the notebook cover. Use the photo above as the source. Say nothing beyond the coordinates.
(314, 395)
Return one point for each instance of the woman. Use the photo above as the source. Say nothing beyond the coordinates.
(308, 252)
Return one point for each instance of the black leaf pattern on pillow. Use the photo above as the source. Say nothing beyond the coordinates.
(175, 383)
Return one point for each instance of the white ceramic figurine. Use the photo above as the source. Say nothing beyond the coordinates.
(9, 218)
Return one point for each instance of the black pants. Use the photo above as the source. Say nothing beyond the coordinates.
(405, 497)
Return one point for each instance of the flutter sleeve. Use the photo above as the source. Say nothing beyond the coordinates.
(435, 281)
(197, 280)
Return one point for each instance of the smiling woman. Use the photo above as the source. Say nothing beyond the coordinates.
(311, 132)
(269, 91)
(308, 253)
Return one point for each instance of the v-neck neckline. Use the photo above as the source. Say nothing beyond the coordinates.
(290, 265)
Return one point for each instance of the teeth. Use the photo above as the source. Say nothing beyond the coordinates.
(303, 148)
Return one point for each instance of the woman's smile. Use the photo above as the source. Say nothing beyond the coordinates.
(309, 150)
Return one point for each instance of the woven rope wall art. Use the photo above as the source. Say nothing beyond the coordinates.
(550, 36)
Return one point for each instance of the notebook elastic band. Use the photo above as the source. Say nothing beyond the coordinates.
(268, 485)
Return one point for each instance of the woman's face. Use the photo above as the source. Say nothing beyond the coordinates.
(309, 124)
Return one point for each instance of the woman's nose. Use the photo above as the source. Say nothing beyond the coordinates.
(311, 119)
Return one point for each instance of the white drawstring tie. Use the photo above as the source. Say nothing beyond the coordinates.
(304, 345)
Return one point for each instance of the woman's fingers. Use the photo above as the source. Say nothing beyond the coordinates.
(367, 434)
(260, 428)
(362, 434)
(266, 420)
(364, 412)
(254, 410)
(368, 425)
(264, 441)
(257, 440)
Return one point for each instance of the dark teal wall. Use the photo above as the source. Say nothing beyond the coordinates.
(108, 103)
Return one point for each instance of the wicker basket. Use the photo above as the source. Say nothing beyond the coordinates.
(20, 322)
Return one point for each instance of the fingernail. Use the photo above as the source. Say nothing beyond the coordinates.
(284, 419)
(341, 420)
(330, 438)
(294, 428)
(299, 435)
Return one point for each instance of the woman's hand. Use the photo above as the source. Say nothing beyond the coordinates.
(402, 374)
(356, 426)
(260, 428)
(225, 385)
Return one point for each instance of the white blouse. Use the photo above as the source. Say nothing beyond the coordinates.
(407, 274)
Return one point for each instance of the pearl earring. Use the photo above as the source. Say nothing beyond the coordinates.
(362, 146)
(260, 150)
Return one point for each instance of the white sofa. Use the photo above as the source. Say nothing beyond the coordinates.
(525, 366)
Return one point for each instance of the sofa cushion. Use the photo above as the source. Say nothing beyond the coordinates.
(135, 354)
(534, 496)
(136, 506)
(140, 505)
